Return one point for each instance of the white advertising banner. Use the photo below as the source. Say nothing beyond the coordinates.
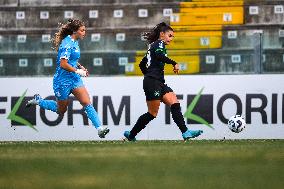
(120, 101)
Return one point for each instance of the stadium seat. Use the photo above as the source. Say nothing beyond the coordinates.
(197, 40)
(208, 13)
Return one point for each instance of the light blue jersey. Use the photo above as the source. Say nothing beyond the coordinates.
(64, 81)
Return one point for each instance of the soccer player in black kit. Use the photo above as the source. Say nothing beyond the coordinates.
(155, 89)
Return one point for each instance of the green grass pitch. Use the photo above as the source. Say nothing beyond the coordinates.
(196, 164)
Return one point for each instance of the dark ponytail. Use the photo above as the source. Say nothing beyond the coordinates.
(154, 34)
(64, 30)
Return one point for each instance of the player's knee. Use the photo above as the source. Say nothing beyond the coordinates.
(84, 104)
(151, 116)
(170, 98)
(154, 113)
(61, 111)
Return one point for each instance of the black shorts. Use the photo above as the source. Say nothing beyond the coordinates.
(155, 89)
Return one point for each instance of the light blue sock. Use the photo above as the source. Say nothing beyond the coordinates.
(48, 105)
(93, 115)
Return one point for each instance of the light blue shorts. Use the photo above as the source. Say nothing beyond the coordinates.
(63, 90)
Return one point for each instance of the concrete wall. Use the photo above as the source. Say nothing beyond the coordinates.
(110, 63)
(89, 2)
(244, 39)
(6, 3)
(108, 42)
(105, 17)
(225, 62)
(265, 13)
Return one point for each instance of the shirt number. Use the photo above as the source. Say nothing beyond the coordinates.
(149, 59)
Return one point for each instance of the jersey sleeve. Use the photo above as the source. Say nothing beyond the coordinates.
(65, 52)
(159, 47)
(161, 55)
(142, 65)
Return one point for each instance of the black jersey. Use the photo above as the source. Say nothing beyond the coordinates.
(153, 63)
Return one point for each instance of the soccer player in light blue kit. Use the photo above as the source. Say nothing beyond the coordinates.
(67, 78)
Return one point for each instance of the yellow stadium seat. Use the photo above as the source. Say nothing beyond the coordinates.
(209, 16)
(212, 3)
(197, 40)
(178, 28)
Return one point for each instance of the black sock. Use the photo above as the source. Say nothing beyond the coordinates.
(141, 123)
(178, 117)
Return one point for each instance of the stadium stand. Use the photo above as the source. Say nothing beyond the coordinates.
(246, 40)
(198, 26)
(112, 40)
(236, 36)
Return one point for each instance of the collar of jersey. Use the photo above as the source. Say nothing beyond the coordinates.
(71, 38)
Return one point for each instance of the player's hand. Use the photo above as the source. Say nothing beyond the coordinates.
(83, 68)
(81, 72)
(176, 68)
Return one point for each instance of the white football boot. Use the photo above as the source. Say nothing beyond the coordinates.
(34, 101)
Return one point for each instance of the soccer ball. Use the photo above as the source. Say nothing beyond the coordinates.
(236, 123)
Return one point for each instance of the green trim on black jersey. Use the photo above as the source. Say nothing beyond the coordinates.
(159, 50)
(163, 50)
